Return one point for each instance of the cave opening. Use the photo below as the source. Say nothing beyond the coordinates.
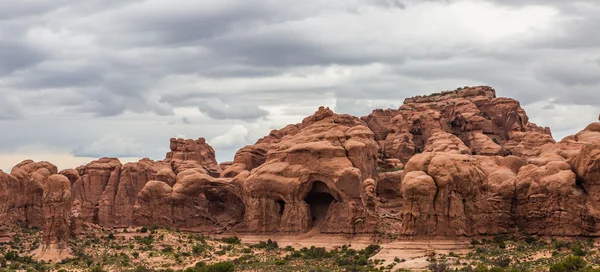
(281, 204)
(224, 207)
(319, 199)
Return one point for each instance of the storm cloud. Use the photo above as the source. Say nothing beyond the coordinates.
(98, 78)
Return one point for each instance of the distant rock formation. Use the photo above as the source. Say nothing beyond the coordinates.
(458, 163)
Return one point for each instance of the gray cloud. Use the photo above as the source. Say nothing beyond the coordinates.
(219, 110)
(10, 107)
(16, 55)
(75, 71)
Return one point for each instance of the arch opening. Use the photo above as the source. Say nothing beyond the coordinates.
(319, 200)
(223, 207)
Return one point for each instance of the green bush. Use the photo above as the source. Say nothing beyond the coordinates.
(234, 240)
(97, 269)
(569, 264)
(439, 267)
(11, 256)
(502, 261)
(218, 267)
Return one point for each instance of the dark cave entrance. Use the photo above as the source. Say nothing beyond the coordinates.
(281, 204)
(319, 199)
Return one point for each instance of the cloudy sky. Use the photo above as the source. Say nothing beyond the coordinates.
(86, 79)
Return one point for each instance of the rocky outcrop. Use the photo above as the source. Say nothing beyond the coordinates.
(487, 124)
(314, 178)
(458, 163)
(31, 176)
(106, 191)
(9, 204)
(57, 213)
(189, 150)
(196, 202)
(89, 188)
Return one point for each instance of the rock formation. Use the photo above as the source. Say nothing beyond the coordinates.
(57, 212)
(457, 163)
(193, 151)
(313, 178)
(31, 176)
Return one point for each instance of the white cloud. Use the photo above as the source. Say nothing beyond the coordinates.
(235, 137)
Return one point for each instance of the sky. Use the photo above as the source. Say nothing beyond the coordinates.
(86, 79)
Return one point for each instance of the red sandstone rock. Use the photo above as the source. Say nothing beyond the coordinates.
(335, 173)
(193, 150)
(486, 124)
(10, 190)
(314, 178)
(57, 213)
(32, 176)
(88, 189)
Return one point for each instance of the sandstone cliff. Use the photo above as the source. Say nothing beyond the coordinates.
(458, 163)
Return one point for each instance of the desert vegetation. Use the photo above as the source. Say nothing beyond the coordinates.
(155, 249)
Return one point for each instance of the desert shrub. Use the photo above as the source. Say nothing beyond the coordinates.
(11, 256)
(530, 239)
(439, 267)
(496, 269)
(268, 245)
(142, 268)
(578, 250)
(280, 262)
(97, 268)
(502, 261)
(315, 253)
(198, 248)
(144, 230)
(558, 245)
(481, 268)
(569, 264)
(234, 240)
(467, 268)
(218, 267)
(371, 250)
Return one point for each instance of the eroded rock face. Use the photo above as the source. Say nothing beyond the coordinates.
(447, 191)
(31, 176)
(486, 124)
(9, 204)
(120, 195)
(193, 150)
(196, 202)
(459, 163)
(89, 188)
(57, 213)
(106, 191)
(314, 178)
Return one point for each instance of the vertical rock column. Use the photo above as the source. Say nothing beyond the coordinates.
(57, 211)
